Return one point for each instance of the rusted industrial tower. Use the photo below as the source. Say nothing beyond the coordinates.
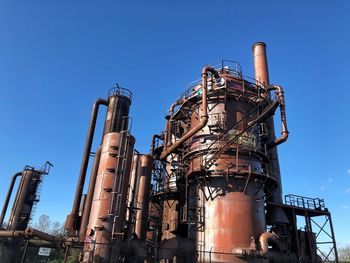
(219, 183)
(13, 233)
(98, 220)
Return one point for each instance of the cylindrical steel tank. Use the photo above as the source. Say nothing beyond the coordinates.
(25, 199)
(108, 210)
(117, 119)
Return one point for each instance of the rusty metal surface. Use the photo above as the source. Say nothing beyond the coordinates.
(170, 218)
(203, 118)
(261, 71)
(232, 221)
(224, 167)
(24, 200)
(142, 198)
(90, 193)
(107, 218)
(117, 114)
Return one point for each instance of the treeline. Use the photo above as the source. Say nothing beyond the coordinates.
(45, 224)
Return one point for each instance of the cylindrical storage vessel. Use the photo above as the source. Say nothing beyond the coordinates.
(24, 200)
(229, 209)
(108, 210)
(230, 223)
(118, 110)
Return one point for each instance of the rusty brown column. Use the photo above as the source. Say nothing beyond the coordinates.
(109, 203)
(17, 208)
(260, 64)
(143, 193)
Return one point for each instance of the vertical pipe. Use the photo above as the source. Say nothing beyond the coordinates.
(25, 251)
(132, 193)
(8, 196)
(143, 193)
(90, 194)
(82, 204)
(66, 254)
(84, 164)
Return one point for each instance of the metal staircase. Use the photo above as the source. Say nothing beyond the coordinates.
(218, 146)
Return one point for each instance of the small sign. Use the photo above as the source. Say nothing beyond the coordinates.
(44, 251)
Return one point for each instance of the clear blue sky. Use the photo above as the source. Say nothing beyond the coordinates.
(56, 57)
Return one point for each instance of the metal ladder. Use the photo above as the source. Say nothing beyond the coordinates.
(119, 174)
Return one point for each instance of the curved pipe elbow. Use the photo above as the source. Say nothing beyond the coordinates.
(210, 69)
(281, 139)
(85, 160)
(264, 240)
(8, 196)
(284, 132)
(154, 137)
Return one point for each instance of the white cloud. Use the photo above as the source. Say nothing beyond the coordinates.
(344, 207)
(322, 188)
(348, 171)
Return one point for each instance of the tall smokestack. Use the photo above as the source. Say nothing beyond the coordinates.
(260, 63)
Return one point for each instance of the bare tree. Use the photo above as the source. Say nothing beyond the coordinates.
(344, 254)
(57, 229)
(44, 223)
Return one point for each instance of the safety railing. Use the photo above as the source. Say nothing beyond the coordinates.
(304, 202)
(119, 91)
